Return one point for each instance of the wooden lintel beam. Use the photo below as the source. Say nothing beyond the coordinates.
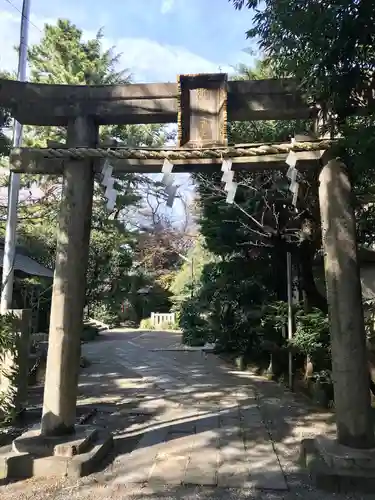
(41, 104)
(26, 163)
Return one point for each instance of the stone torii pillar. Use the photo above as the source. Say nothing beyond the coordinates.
(349, 358)
(348, 462)
(68, 296)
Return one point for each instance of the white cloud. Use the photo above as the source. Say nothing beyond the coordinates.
(148, 60)
(166, 6)
(10, 35)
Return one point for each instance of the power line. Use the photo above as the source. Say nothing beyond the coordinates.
(22, 14)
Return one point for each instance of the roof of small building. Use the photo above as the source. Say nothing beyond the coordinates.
(26, 264)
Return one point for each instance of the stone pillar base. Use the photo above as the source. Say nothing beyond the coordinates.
(76, 455)
(336, 468)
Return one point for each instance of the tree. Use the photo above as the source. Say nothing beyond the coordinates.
(5, 121)
(188, 278)
(337, 62)
(335, 68)
(63, 57)
(247, 241)
(263, 216)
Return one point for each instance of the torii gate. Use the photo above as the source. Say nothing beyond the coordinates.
(201, 104)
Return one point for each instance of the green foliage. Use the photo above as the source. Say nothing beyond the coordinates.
(89, 332)
(105, 311)
(146, 324)
(62, 52)
(8, 325)
(337, 61)
(8, 346)
(63, 56)
(312, 334)
(335, 68)
(245, 270)
(167, 325)
(225, 306)
(275, 314)
(194, 327)
(188, 276)
(5, 121)
(329, 47)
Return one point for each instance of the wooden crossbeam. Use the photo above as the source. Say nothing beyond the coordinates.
(26, 162)
(41, 104)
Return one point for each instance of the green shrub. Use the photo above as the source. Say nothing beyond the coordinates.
(146, 324)
(130, 324)
(195, 328)
(106, 312)
(8, 328)
(167, 325)
(312, 335)
(89, 332)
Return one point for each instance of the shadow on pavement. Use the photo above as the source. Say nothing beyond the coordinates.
(141, 415)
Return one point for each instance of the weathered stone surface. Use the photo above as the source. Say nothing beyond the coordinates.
(263, 463)
(233, 470)
(135, 467)
(348, 342)
(38, 445)
(22, 465)
(36, 104)
(338, 455)
(333, 478)
(169, 470)
(78, 445)
(86, 463)
(202, 114)
(14, 465)
(68, 295)
(202, 467)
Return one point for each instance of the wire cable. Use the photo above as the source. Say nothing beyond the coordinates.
(22, 14)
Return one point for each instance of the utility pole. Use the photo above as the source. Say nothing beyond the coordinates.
(290, 315)
(15, 179)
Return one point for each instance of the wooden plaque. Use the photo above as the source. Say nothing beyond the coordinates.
(202, 110)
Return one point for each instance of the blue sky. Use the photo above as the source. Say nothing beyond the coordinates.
(157, 38)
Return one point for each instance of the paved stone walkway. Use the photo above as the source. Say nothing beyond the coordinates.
(186, 426)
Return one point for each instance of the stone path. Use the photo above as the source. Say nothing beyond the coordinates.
(186, 426)
(207, 433)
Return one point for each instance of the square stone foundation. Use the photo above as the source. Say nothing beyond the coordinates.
(336, 468)
(75, 455)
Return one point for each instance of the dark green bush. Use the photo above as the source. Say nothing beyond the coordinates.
(195, 328)
(89, 332)
(312, 336)
(146, 324)
(8, 339)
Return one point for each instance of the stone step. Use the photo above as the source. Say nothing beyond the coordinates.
(14, 464)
